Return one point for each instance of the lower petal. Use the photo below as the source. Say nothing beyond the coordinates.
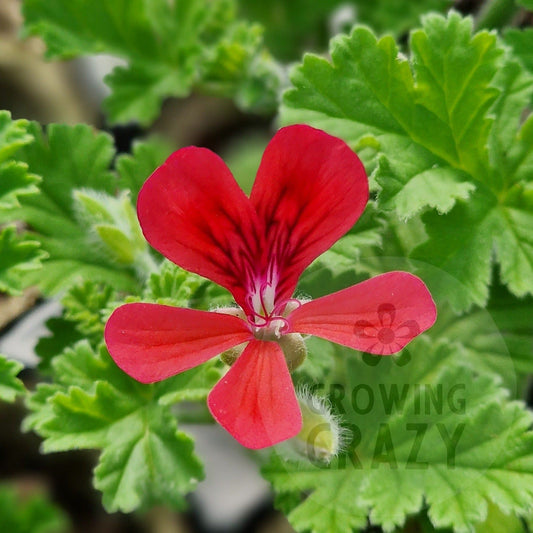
(255, 401)
(152, 342)
(354, 317)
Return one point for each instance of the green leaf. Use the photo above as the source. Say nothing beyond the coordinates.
(68, 158)
(493, 341)
(29, 514)
(14, 177)
(149, 462)
(133, 170)
(170, 48)
(291, 28)
(426, 428)
(172, 285)
(145, 460)
(85, 304)
(18, 257)
(448, 136)
(63, 333)
(521, 41)
(10, 385)
(425, 120)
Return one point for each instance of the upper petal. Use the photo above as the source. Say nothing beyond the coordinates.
(310, 190)
(151, 342)
(354, 316)
(193, 212)
(255, 401)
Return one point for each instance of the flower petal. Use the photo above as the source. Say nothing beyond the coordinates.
(354, 316)
(193, 212)
(152, 342)
(255, 401)
(309, 191)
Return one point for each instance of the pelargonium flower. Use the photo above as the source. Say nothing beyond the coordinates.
(309, 191)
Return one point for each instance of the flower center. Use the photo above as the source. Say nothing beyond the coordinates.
(272, 330)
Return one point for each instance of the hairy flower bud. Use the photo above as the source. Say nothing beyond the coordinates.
(321, 436)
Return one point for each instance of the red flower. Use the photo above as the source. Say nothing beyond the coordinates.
(309, 191)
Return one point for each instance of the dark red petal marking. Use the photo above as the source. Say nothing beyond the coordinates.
(309, 191)
(193, 212)
(255, 401)
(360, 316)
(152, 342)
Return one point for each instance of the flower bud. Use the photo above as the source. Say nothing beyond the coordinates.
(321, 436)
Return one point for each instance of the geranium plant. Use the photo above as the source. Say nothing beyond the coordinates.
(364, 315)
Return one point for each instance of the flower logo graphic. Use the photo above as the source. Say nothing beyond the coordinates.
(388, 334)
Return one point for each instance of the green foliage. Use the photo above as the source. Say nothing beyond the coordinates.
(34, 514)
(134, 169)
(18, 257)
(14, 177)
(436, 146)
(426, 428)
(172, 285)
(10, 385)
(170, 49)
(346, 262)
(87, 233)
(145, 459)
(292, 28)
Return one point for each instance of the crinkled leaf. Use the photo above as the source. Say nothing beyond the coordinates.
(426, 428)
(448, 136)
(18, 257)
(84, 305)
(14, 176)
(62, 334)
(10, 385)
(145, 460)
(32, 513)
(172, 285)
(169, 47)
(427, 114)
(68, 158)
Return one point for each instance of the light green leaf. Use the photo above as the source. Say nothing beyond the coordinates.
(10, 385)
(68, 158)
(170, 48)
(18, 257)
(428, 429)
(148, 462)
(84, 305)
(14, 177)
(145, 460)
(13, 135)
